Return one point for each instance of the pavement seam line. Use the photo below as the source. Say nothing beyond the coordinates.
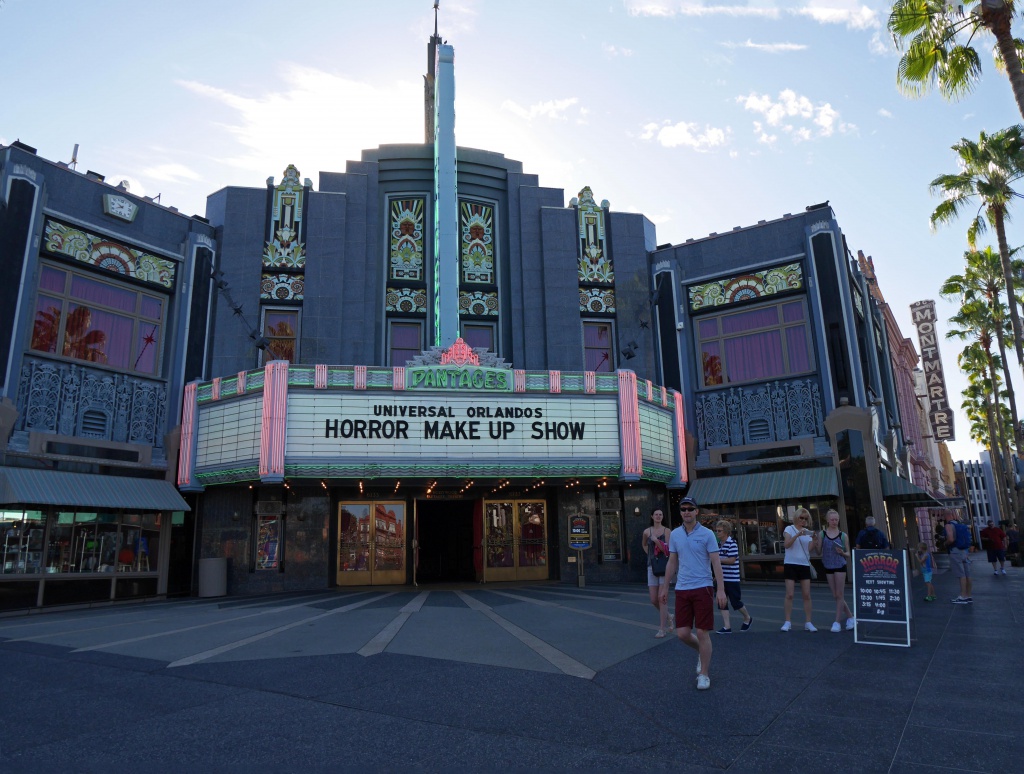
(924, 675)
(383, 638)
(560, 606)
(103, 645)
(562, 661)
(270, 633)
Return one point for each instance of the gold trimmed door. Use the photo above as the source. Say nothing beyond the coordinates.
(371, 543)
(515, 540)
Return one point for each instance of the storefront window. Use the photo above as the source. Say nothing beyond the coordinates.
(22, 534)
(500, 535)
(98, 542)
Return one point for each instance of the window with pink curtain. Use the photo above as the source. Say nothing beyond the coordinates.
(767, 342)
(478, 336)
(597, 347)
(96, 321)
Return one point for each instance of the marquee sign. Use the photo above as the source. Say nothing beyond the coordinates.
(940, 414)
(450, 419)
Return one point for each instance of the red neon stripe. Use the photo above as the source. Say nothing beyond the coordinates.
(684, 472)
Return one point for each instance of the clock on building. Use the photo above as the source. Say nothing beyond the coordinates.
(120, 207)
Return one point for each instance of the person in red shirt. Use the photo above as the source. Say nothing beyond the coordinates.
(996, 539)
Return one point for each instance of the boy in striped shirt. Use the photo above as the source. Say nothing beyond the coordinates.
(729, 555)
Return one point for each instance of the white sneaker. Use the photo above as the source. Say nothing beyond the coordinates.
(671, 622)
(810, 627)
(850, 624)
(698, 664)
(703, 682)
(786, 626)
(1003, 571)
(836, 627)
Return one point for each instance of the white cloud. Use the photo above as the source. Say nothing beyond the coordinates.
(670, 8)
(793, 114)
(769, 48)
(552, 108)
(612, 50)
(340, 116)
(884, 113)
(685, 134)
(171, 173)
(855, 16)
(882, 45)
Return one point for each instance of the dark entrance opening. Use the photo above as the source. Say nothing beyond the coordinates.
(446, 541)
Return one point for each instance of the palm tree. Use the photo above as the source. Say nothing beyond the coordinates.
(982, 392)
(979, 289)
(988, 170)
(936, 36)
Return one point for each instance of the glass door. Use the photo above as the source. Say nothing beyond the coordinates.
(371, 543)
(515, 540)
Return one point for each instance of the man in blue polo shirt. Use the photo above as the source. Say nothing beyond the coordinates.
(693, 562)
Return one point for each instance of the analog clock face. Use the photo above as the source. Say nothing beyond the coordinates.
(120, 207)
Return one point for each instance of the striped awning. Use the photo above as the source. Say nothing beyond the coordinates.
(896, 488)
(25, 486)
(765, 487)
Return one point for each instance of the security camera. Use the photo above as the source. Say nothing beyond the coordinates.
(680, 326)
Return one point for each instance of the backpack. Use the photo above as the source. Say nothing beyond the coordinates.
(963, 535)
(871, 539)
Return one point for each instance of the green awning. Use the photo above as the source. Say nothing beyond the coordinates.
(765, 487)
(896, 488)
(25, 486)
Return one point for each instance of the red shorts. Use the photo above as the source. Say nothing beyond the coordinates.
(695, 608)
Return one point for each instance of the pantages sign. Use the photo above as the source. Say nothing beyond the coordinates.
(939, 413)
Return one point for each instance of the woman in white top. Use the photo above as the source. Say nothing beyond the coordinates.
(799, 540)
(655, 538)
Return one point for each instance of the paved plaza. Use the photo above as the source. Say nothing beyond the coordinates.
(541, 676)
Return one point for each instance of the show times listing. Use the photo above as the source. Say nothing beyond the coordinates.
(881, 585)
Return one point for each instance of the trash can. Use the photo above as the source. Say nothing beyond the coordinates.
(213, 577)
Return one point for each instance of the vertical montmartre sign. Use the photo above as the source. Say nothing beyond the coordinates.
(939, 413)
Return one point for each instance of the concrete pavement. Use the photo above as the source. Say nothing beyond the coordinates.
(507, 676)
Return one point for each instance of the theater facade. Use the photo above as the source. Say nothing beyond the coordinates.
(452, 468)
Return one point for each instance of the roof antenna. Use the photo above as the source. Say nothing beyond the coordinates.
(74, 157)
(428, 82)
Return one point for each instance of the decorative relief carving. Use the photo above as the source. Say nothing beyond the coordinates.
(284, 250)
(597, 300)
(74, 400)
(282, 287)
(747, 286)
(595, 265)
(476, 222)
(406, 259)
(109, 255)
(406, 300)
(478, 303)
(776, 411)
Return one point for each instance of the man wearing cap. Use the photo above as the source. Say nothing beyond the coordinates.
(693, 561)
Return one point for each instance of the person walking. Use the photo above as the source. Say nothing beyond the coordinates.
(835, 547)
(654, 542)
(799, 540)
(693, 563)
(958, 540)
(729, 556)
(996, 539)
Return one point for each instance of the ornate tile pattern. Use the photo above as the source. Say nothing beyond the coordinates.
(476, 225)
(594, 300)
(109, 255)
(406, 252)
(744, 287)
(478, 303)
(282, 287)
(284, 250)
(595, 266)
(406, 300)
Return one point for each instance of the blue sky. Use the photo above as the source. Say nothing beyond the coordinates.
(702, 116)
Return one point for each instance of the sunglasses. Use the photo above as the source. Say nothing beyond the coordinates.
(683, 508)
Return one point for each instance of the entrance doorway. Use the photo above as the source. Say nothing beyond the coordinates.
(445, 535)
